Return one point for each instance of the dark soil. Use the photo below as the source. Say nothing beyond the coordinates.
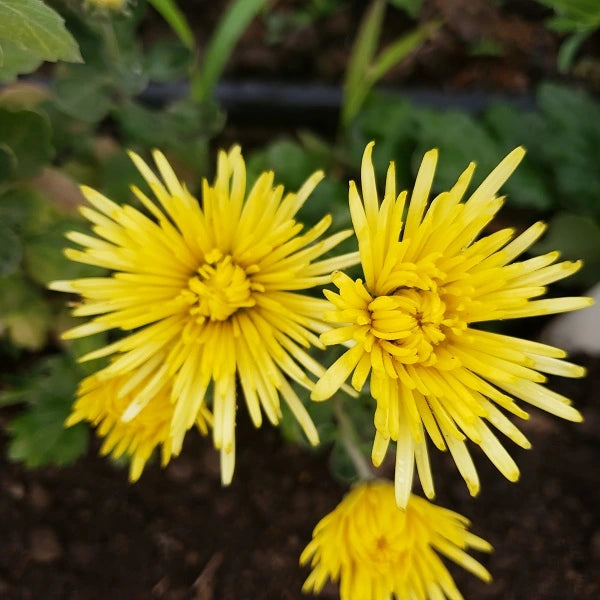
(84, 533)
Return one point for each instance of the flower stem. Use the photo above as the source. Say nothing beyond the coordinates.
(111, 43)
(348, 437)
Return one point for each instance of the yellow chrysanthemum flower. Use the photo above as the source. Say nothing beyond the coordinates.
(379, 552)
(104, 401)
(207, 294)
(409, 324)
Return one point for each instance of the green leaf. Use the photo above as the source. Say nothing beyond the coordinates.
(230, 29)
(395, 52)
(116, 176)
(411, 7)
(167, 60)
(16, 293)
(26, 211)
(571, 147)
(24, 314)
(27, 134)
(568, 49)
(45, 260)
(38, 435)
(37, 29)
(171, 13)
(29, 328)
(361, 56)
(176, 126)
(15, 61)
(8, 163)
(364, 70)
(573, 14)
(39, 439)
(11, 251)
(10, 397)
(393, 124)
(291, 163)
(82, 93)
(388, 58)
(460, 139)
(341, 465)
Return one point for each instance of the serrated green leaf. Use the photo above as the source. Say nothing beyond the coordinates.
(38, 435)
(37, 29)
(40, 438)
(230, 29)
(15, 61)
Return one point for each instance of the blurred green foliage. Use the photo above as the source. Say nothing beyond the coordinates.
(282, 23)
(579, 19)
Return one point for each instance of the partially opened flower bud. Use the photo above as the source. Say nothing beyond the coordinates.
(378, 551)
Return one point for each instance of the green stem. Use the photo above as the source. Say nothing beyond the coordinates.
(110, 39)
(349, 440)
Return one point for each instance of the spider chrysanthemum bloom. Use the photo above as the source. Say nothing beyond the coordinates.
(378, 551)
(207, 295)
(412, 323)
(104, 401)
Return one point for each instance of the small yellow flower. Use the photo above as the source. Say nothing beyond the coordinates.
(207, 295)
(412, 323)
(103, 402)
(378, 551)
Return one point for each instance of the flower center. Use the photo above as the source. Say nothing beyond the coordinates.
(412, 322)
(220, 288)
